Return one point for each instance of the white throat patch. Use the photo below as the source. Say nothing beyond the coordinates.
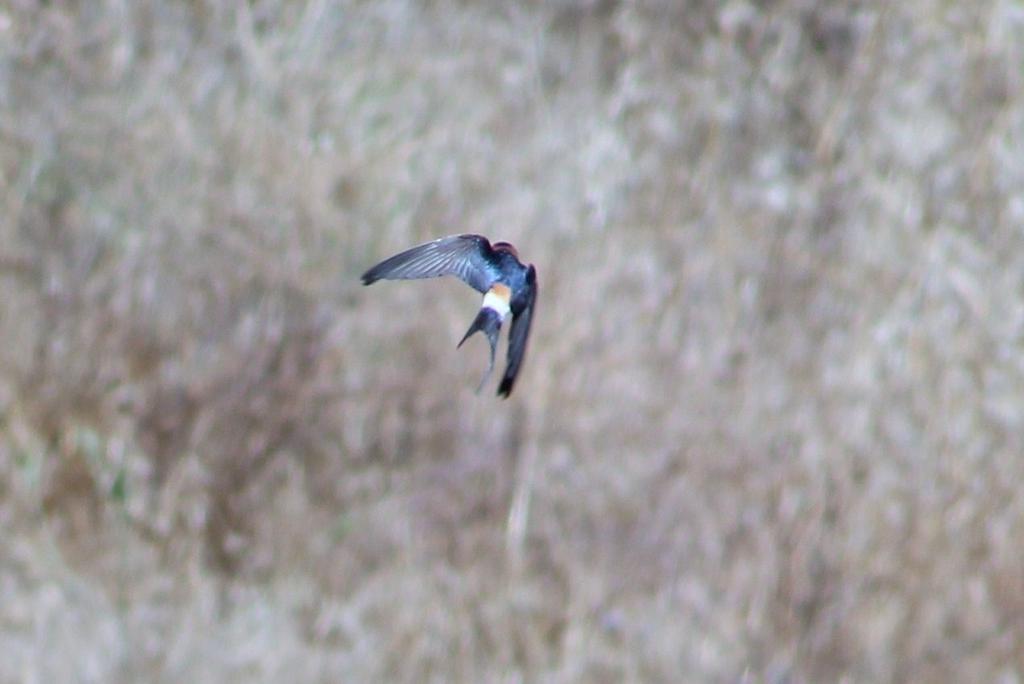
(497, 299)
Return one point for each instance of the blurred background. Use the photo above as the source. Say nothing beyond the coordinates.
(770, 422)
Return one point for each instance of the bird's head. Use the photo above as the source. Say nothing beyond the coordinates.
(506, 247)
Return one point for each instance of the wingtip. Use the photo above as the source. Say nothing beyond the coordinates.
(505, 388)
(368, 278)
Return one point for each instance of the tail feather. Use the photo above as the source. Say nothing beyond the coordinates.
(489, 322)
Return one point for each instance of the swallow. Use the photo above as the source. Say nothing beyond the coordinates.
(508, 287)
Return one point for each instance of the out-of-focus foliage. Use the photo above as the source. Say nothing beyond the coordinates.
(770, 425)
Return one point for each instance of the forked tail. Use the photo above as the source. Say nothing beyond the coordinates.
(489, 322)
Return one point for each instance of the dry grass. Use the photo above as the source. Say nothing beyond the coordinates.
(770, 427)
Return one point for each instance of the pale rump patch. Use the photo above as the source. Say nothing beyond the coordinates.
(498, 298)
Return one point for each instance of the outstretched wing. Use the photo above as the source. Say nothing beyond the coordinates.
(519, 334)
(464, 256)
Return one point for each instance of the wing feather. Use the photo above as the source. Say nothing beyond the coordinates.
(464, 256)
(518, 336)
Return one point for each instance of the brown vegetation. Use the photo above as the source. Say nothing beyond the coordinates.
(770, 423)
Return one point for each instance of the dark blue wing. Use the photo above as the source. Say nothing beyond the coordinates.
(519, 334)
(468, 257)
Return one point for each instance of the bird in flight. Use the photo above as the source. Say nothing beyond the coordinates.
(495, 271)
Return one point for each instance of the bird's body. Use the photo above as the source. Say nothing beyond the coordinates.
(508, 286)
